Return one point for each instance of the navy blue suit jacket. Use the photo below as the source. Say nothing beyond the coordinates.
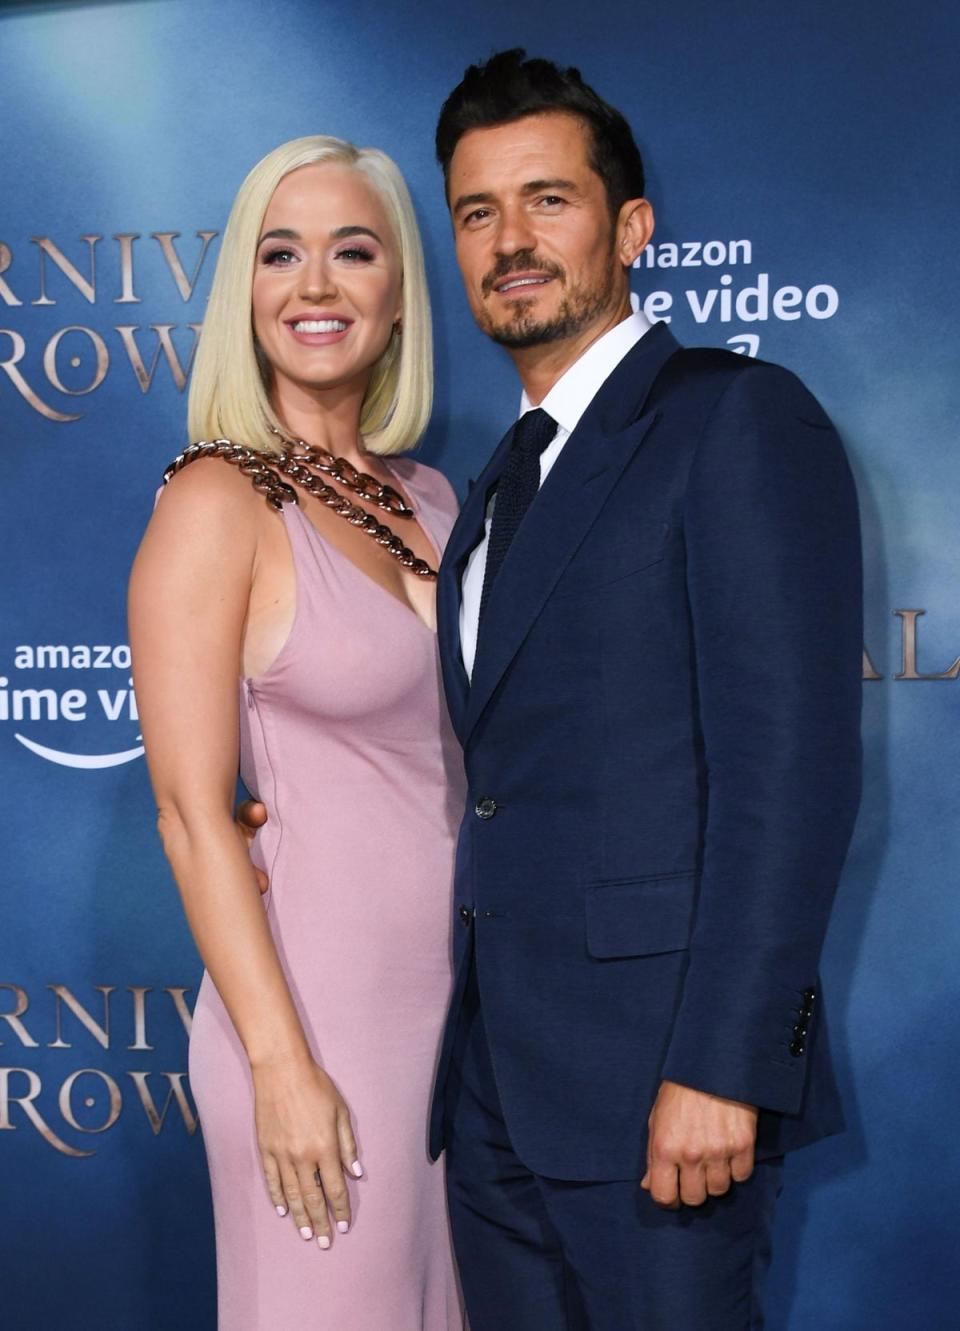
(662, 750)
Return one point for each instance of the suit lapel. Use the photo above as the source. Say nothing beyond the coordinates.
(589, 466)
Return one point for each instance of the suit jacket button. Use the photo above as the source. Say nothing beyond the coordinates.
(465, 914)
(485, 807)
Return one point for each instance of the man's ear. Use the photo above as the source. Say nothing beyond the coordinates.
(635, 223)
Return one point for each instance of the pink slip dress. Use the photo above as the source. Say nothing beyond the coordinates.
(346, 739)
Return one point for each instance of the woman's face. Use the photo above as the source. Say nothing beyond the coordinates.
(327, 281)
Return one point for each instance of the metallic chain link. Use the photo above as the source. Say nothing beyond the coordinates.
(360, 482)
(265, 477)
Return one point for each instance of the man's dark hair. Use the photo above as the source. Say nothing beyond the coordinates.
(508, 87)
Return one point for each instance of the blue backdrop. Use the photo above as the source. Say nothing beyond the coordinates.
(803, 167)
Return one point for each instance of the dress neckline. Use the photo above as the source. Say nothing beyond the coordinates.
(414, 503)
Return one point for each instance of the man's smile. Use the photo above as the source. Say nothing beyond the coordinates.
(521, 281)
(518, 272)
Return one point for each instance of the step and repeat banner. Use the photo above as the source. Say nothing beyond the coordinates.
(803, 167)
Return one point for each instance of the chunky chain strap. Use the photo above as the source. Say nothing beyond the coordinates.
(264, 478)
(360, 482)
(265, 469)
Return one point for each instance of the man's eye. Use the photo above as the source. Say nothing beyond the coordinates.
(477, 215)
(552, 199)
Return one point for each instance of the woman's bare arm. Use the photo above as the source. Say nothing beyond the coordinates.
(189, 595)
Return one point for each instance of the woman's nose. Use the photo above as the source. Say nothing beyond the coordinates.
(317, 282)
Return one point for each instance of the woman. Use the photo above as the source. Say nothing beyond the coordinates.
(271, 633)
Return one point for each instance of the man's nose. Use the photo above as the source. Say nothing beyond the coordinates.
(515, 231)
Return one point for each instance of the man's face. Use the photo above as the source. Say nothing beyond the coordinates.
(535, 242)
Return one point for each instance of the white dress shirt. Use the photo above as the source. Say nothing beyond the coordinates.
(566, 402)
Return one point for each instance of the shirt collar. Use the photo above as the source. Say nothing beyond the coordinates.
(576, 388)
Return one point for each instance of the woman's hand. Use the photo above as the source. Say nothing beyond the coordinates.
(306, 1146)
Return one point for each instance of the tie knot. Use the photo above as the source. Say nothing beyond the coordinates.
(533, 431)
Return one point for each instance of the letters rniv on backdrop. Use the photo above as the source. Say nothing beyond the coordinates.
(75, 344)
(89, 1100)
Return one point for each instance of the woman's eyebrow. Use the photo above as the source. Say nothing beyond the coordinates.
(338, 233)
(281, 233)
(342, 232)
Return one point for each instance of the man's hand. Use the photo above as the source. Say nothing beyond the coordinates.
(250, 817)
(698, 1145)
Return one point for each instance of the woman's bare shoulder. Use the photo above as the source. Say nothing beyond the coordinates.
(208, 508)
(211, 482)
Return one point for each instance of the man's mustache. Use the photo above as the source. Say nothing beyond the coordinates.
(524, 261)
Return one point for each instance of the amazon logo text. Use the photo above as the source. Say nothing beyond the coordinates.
(37, 710)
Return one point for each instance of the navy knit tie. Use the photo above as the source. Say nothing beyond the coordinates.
(519, 482)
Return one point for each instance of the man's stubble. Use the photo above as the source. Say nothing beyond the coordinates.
(580, 307)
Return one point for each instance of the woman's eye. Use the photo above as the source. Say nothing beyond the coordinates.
(277, 256)
(356, 254)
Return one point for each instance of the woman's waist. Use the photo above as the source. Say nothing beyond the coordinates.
(354, 799)
(349, 767)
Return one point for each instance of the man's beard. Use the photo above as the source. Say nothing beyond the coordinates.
(578, 309)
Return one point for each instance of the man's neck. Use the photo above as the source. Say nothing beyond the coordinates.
(540, 367)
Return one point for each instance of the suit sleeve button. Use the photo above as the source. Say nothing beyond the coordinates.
(485, 807)
(465, 914)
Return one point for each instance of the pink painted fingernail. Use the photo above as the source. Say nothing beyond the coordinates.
(281, 1210)
(357, 1169)
(323, 1241)
(306, 1232)
(343, 1226)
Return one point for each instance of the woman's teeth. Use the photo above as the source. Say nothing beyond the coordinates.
(319, 326)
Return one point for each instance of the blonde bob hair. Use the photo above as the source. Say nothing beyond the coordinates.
(229, 394)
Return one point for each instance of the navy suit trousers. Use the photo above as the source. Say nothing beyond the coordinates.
(543, 1254)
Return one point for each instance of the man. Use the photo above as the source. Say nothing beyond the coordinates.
(653, 664)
